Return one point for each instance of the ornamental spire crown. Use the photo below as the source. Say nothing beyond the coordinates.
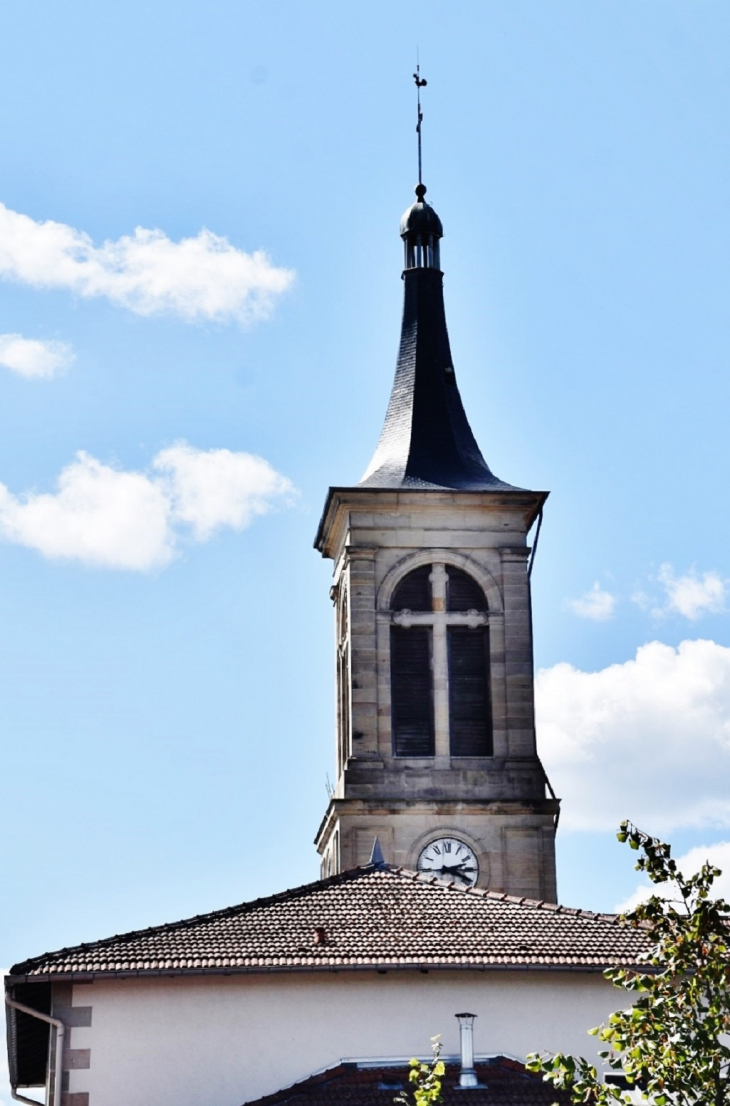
(426, 441)
(421, 231)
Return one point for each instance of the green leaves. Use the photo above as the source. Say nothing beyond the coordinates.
(673, 1043)
(426, 1080)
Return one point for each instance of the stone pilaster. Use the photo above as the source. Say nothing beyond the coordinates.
(360, 574)
(518, 660)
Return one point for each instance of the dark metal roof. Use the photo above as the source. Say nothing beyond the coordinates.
(426, 441)
(503, 1082)
(376, 916)
(420, 218)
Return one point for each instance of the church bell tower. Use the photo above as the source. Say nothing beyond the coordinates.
(436, 751)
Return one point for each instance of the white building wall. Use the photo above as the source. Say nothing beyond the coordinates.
(222, 1041)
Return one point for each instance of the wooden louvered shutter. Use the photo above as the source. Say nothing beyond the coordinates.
(411, 691)
(414, 591)
(463, 593)
(470, 714)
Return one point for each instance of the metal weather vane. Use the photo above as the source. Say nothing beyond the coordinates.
(420, 83)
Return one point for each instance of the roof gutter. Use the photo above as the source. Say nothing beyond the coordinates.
(55, 1098)
(292, 969)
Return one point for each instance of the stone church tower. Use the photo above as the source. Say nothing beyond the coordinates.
(436, 753)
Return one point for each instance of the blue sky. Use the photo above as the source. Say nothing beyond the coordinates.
(166, 681)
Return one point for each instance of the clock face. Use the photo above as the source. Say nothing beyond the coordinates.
(451, 859)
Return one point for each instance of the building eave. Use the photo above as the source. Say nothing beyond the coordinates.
(420, 966)
(339, 497)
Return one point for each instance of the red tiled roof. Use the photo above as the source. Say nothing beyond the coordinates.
(371, 917)
(503, 1083)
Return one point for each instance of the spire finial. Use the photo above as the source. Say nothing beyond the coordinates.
(376, 857)
(420, 83)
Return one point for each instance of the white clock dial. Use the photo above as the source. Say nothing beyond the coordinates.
(451, 859)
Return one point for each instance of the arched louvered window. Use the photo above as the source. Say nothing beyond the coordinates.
(411, 667)
(440, 630)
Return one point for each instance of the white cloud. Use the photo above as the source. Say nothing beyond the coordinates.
(690, 863)
(647, 740)
(595, 604)
(218, 488)
(33, 358)
(641, 599)
(692, 595)
(112, 518)
(204, 277)
(99, 515)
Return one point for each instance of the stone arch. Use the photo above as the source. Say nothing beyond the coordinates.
(447, 556)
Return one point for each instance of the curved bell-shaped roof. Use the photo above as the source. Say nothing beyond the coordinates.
(420, 218)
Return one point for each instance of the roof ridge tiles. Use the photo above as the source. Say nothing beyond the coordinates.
(503, 896)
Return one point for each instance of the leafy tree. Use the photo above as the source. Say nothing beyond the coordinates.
(426, 1079)
(672, 1043)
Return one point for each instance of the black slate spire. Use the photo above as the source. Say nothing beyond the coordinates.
(426, 440)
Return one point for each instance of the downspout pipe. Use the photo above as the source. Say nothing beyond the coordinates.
(60, 1036)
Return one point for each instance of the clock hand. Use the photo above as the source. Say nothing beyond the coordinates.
(457, 871)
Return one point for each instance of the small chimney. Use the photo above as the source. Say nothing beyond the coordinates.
(320, 935)
(467, 1075)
